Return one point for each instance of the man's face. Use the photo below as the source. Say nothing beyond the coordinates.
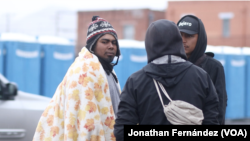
(189, 42)
(106, 47)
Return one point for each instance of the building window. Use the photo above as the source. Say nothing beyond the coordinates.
(226, 17)
(150, 17)
(226, 27)
(128, 32)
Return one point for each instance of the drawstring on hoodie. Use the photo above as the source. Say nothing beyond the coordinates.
(168, 59)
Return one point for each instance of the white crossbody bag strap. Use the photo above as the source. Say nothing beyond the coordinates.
(158, 91)
(164, 91)
(157, 88)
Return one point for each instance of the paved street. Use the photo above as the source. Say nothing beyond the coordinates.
(238, 122)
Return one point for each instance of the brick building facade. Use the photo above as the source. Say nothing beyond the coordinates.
(129, 24)
(226, 22)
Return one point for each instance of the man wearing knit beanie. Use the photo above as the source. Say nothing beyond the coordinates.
(85, 103)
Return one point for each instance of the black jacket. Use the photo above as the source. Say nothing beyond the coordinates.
(216, 72)
(213, 67)
(140, 102)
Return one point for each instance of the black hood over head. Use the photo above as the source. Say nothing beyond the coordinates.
(163, 38)
(201, 44)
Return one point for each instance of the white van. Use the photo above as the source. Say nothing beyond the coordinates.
(19, 112)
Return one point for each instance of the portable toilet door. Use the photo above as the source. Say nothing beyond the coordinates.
(247, 86)
(235, 82)
(124, 68)
(235, 86)
(246, 52)
(138, 59)
(23, 65)
(55, 64)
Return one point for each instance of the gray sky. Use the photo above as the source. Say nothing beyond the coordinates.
(37, 17)
(23, 7)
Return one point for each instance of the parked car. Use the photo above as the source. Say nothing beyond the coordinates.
(19, 112)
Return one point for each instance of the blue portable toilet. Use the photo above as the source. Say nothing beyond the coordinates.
(246, 52)
(125, 66)
(235, 83)
(23, 61)
(121, 69)
(58, 55)
(2, 57)
(138, 59)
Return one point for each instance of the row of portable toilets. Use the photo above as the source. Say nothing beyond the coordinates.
(38, 66)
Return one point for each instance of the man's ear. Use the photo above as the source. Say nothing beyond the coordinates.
(94, 46)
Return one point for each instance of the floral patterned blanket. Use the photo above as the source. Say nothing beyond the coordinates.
(81, 107)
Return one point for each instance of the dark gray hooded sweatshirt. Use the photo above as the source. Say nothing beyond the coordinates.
(139, 101)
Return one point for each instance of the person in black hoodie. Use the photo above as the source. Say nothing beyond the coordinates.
(195, 43)
(139, 101)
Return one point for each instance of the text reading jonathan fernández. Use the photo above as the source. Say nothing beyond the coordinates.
(186, 131)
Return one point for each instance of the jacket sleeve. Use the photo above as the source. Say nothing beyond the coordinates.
(211, 105)
(127, 110)
(220, 86)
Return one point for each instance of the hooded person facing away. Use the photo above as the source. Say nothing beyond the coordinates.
(85, 103)
(139, 100)
(195, 43)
